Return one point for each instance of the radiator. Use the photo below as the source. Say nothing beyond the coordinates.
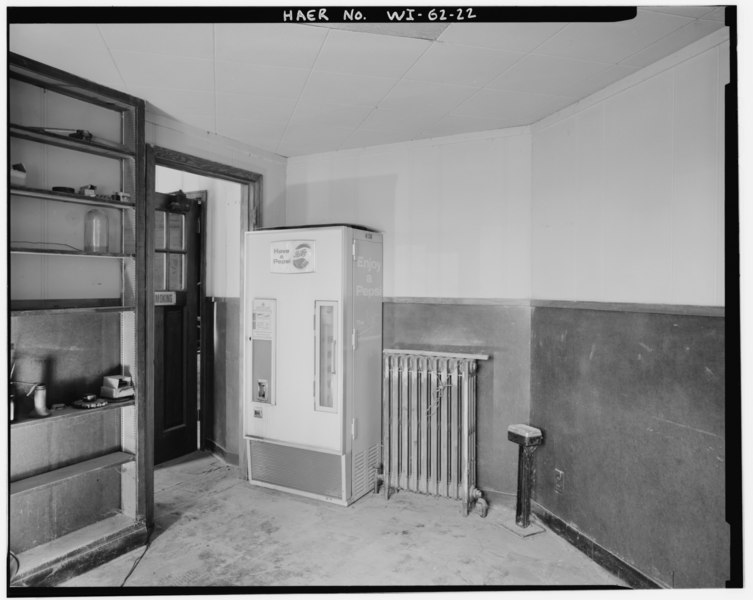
(429, 425)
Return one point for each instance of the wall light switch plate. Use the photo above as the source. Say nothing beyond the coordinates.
(559, 481)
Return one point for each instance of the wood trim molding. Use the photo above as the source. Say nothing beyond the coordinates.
(634, 307)
(600, 555)
(663, 309)
(464, 301)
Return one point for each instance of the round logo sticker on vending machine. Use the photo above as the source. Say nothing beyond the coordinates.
(303, 257)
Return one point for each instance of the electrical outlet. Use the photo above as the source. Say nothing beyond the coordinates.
(559, 481)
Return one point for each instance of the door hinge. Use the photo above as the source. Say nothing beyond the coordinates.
(353, 339)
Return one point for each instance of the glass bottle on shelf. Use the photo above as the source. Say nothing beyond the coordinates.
(95, 232)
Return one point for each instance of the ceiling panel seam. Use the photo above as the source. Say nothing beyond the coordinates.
(112, 57)
(300, 95)
(387, 93)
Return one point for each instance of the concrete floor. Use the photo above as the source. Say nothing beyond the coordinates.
(214, 529)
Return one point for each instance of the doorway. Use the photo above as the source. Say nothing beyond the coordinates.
(195, 262)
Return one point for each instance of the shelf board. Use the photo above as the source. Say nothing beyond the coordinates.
(18, 190)
(48, 252)
(98, 147)
(69, 412)
(36, 482)
(18, 307)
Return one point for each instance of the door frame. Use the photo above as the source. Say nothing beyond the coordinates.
(251, 202)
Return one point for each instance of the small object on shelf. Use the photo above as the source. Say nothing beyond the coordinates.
(18, 174)
(90, 401)
(117, 387)
(76, 134)
(121, 196)
(95, 232)
(40, 402)
(88, 190)
(65, 190)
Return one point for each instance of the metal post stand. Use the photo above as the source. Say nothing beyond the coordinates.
(528, 439)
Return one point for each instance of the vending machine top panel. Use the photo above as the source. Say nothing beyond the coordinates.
(320, 226)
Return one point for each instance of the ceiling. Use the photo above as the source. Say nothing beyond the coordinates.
(297, 89)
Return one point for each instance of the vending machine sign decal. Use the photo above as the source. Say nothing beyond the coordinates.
(293, 256)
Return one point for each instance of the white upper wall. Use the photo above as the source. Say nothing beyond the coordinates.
(454, 211)
(628, 187)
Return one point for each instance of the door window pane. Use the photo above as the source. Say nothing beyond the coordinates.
(176, 231)
(176, 264)
(159, 230)
(159, 271)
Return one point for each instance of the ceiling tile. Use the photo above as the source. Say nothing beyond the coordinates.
(512, 108)
(611, 42)
(312, 139)
(406, 120)
(547, 75)
(78, 49)
(263, 133)
(694, 12)
(604, 78)
(142, 69)
(718, 14)
(281, 82)
(456, 124)
(461, 65)
(337, 88)
(167, 99)
(367, 54)
(409, 29)
(275, 45)
(363, 138)
(253, 107)
(674, 41)
(512, 37)
(177, 39)
(329, 115)
(435, 98)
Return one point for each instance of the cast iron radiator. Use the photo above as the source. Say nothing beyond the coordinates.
(429, 425)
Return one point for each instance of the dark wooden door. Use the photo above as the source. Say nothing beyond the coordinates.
(177, 270)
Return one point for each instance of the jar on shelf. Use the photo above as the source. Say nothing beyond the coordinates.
(96, 232)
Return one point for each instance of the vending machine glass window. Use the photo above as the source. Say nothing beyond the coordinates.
(326, 356)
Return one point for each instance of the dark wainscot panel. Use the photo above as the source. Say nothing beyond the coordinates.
(632, 409)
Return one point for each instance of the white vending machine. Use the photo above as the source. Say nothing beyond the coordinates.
(312, 360)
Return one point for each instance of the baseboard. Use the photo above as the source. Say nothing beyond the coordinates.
(230, 458)
(600, 555)
(57, 561)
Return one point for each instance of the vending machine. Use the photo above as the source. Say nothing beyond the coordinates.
(312, 360)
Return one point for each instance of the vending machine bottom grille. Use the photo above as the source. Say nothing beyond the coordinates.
(301, 469)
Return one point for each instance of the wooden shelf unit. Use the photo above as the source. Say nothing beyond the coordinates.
(74, 320)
